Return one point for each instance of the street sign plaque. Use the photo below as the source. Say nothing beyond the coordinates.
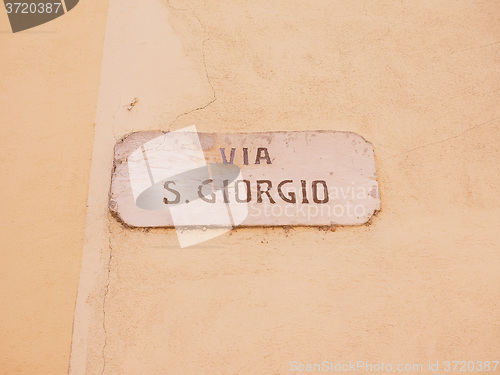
(190, 179)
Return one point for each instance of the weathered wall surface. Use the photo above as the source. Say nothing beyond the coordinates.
(49, 81)
(420, 283)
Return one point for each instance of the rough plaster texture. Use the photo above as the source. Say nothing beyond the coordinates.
(420, 283)
(419, 80)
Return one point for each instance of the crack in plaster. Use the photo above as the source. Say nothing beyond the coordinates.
(443, 140)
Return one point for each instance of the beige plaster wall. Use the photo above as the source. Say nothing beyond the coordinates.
(49, 81)
(418, 80)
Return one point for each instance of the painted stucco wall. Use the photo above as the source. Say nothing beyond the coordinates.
(419, 284)
(49, 82)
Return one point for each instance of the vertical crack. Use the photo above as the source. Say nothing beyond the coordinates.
(106, 291)
(214, 96)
